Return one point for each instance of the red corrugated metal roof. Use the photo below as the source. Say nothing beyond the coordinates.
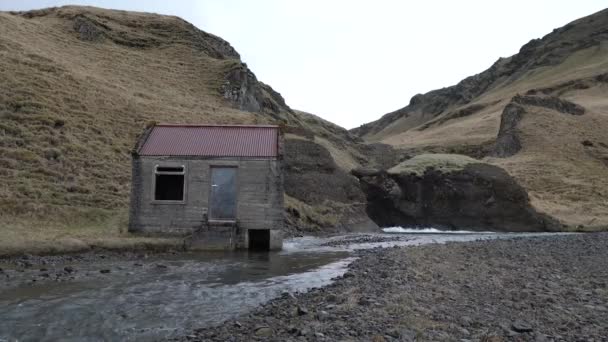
(212, 141)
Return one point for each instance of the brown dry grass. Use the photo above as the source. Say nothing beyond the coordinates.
(439, 161)
(564, 178)
(70, 111)
(76, 233)
(320, 217)
(334, 138)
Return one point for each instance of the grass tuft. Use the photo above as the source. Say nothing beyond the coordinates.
(441, 162)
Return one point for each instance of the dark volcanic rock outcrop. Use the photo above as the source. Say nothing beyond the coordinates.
(243, 90)
(507, 141)
(550, 102)
(577, 84)
(478, 197)
(312, 176)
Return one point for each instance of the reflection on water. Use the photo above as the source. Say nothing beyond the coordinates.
(190, 291)
(143, 303)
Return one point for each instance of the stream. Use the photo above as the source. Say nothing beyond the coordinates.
(169, 297)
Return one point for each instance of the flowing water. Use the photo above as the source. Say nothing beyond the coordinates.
(191, 290)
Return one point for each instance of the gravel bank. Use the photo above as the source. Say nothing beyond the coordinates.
(31, 270)
(529, 289)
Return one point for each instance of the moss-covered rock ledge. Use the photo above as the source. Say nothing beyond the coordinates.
(451, 192)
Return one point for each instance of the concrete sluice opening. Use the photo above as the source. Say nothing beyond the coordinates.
(259, 239)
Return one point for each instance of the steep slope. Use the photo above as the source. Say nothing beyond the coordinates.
(552, 140)
(80, 83)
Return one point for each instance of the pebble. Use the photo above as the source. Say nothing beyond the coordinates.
(406, 288)
(263, 331)
(302, 310)
(521, 327)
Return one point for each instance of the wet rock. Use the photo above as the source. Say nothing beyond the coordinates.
(323, 315)
(331, 298)
(466, 320)
(288, 295)
(304, 332)
(302, 311)
(541, 338)
(68, 269)
(364, 172)
(587, 143)
(263, 331)
(364, 301)
(459, 199)
(104, 271)
(521, 327)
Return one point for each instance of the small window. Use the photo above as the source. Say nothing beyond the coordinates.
(164, 169)
(169, 183)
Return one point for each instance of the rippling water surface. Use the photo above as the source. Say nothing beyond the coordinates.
(140, 303)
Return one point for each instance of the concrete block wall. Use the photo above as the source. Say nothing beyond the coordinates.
(259, 199)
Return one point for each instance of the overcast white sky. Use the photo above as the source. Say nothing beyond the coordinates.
(352, 61)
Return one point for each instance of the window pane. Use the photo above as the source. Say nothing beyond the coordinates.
(169, 188)
(223, 193)
(169, 169)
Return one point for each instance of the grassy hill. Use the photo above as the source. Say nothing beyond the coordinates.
(80, 83)
(561, 158)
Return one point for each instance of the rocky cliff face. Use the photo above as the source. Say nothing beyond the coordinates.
(243, 90)
(478, 197)
(313, 178)
(508, 142)
(540, 116)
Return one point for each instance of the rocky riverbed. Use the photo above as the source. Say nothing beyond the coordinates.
(29, 270)
(552, 288)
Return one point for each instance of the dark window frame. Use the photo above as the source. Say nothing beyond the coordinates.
(170, 170)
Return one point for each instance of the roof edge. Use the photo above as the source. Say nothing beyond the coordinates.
(140, 140)
(213, 125)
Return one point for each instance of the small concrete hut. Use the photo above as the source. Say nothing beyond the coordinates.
(221, 184)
